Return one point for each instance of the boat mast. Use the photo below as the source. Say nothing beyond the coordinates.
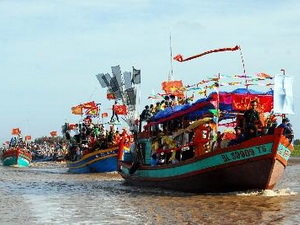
(170, 76)
(244, 69)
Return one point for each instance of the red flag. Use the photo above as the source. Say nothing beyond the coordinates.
(72, 126)
(173, 87)
(110, 96)
(53, 133)
(27, 138)
(104, 115)
(120, 109)
(15, 131)
(92, 111)
(88, 105)
(76, 110)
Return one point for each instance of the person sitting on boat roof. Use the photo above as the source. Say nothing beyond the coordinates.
(251, 120)
(239, 136)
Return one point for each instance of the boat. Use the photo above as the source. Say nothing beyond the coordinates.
(16, 153)
(16, 157)
(189, 147)
(89, 150)
(95, 146)
(98, 161)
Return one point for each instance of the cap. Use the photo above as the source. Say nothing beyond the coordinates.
(285, 120)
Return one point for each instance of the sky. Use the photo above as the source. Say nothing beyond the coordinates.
(51, 51)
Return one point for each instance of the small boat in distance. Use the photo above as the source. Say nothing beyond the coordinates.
(17, 154)
(192, 147)
(16, 157)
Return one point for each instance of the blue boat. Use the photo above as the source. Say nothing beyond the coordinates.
(16, 157)
(98, 161)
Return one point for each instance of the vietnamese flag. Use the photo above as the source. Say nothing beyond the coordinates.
(92, 111)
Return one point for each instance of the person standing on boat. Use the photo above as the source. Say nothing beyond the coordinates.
(287, 129)
(251, 120)
(146, 115)
(114, 114)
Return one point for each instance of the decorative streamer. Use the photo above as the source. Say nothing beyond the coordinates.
(179, 57)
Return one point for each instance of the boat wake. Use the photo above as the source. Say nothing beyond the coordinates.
(269, 193)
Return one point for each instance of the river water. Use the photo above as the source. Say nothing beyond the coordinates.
(45, 193)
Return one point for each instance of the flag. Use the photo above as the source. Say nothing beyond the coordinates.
(72, 126)
(178, 58)
(53, 133)
(15, 131)
(283, 94)
(27, 138)
(110, 96)
(88, 105)
(76, 110)
(136, 76)
(173, 87)
(120, 109)
(104, 115)
(92, 111)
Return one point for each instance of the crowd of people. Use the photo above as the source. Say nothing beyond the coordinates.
(46, 149)
(87, 137)
(172, 139)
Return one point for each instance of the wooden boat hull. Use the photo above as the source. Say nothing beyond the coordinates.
(98, 161)
(255, 164)
(16, 158)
